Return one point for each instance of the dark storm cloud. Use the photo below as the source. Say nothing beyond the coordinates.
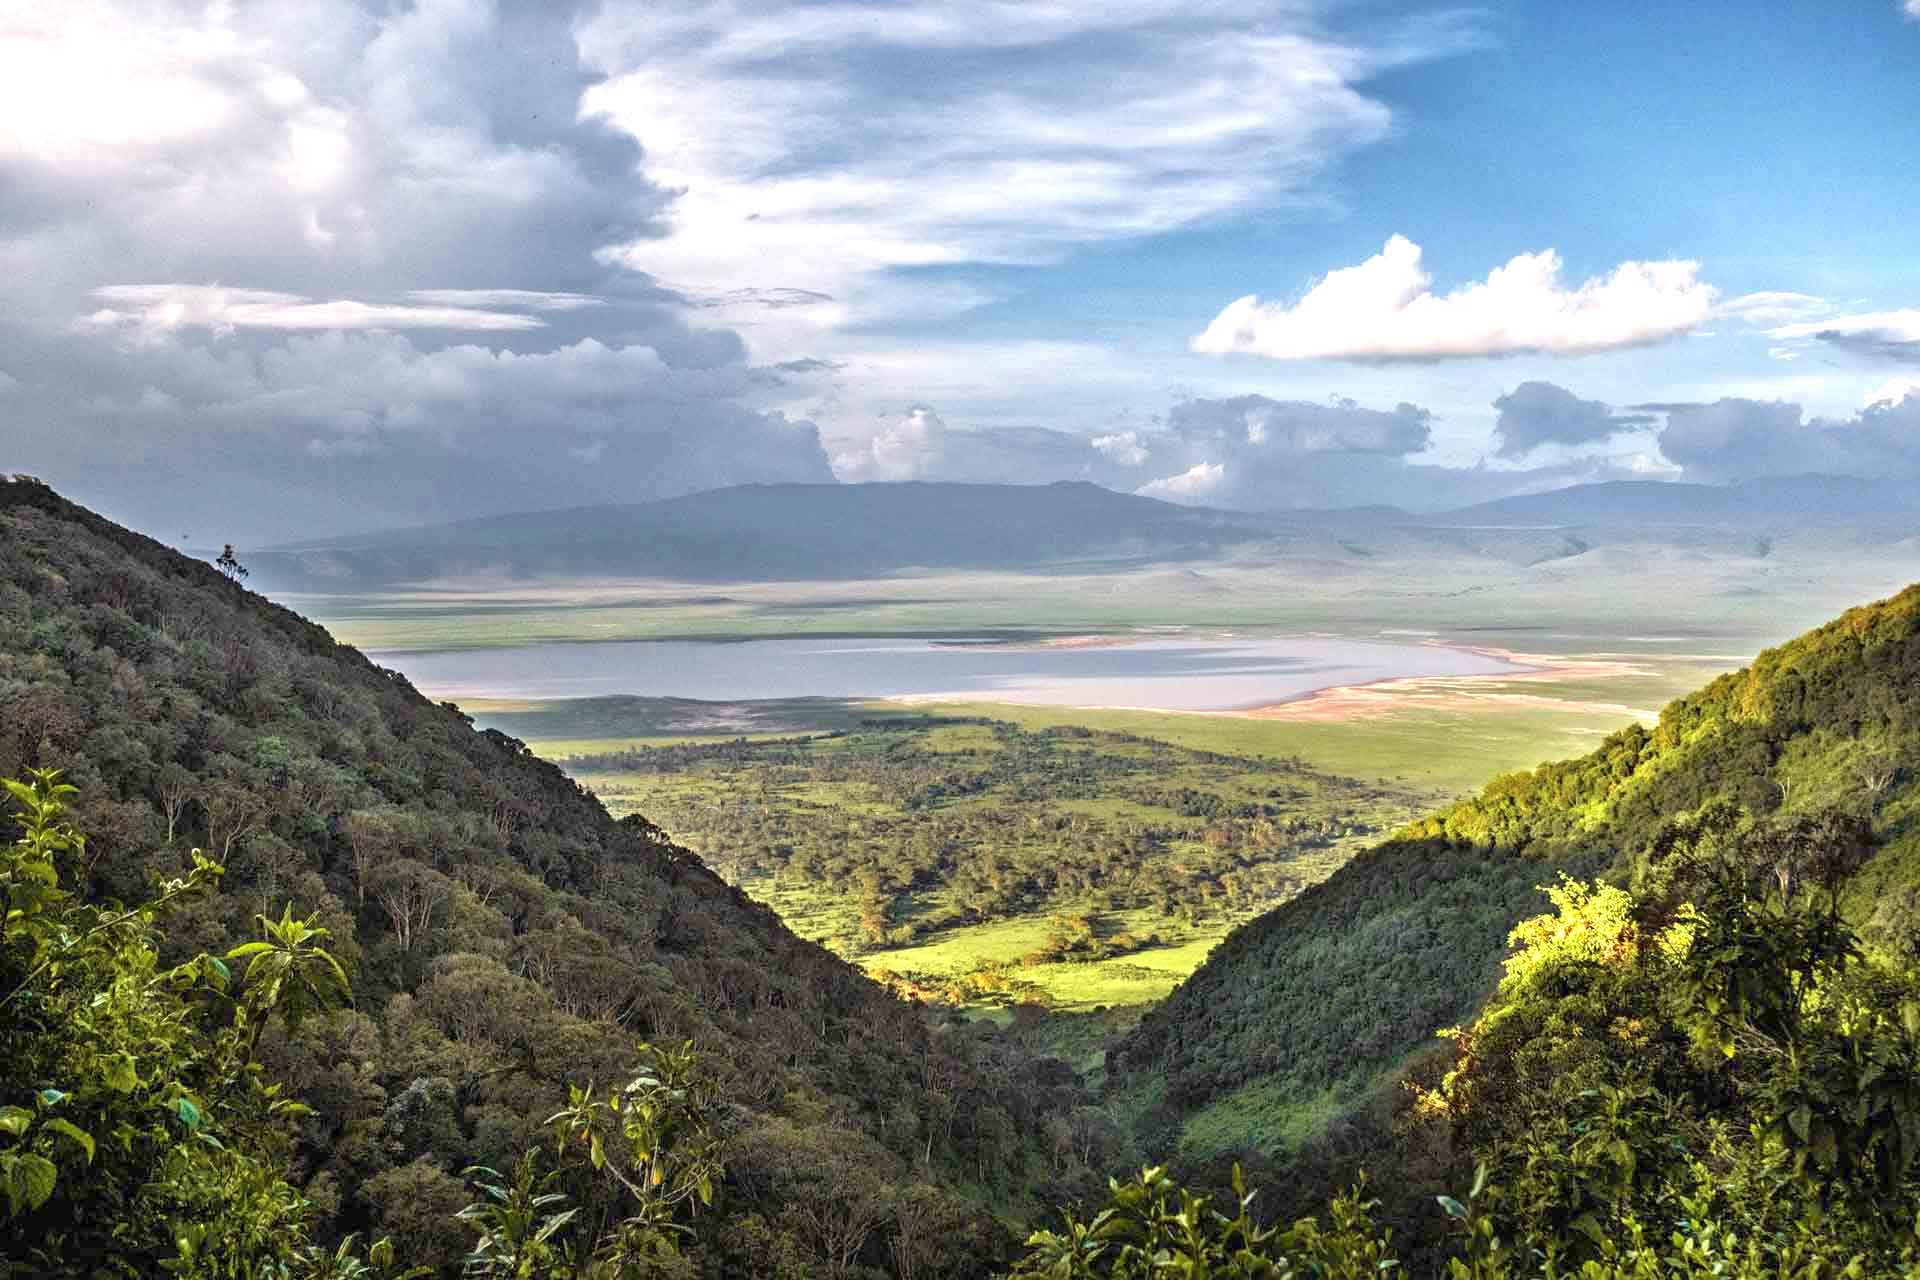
(1540, 413)
(403, 211)
(289, 438)
(1732, 439)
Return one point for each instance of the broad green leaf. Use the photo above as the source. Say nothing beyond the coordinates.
(120, 1075)
(75, 1132)
(33, 1180)
(51, 1097)
(189, 1113)
(1454, 1208)
(15, 1120)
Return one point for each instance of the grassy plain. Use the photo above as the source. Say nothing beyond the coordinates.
(972, 860)
(1422, 740)
(1606, 598)
(1441, 736)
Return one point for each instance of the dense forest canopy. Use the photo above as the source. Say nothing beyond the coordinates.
(505, 938)
(905, 831)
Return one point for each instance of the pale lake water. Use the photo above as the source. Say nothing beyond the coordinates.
(1171, 674)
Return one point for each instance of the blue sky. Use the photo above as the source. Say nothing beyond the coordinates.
(337, 264)
(1764, 142)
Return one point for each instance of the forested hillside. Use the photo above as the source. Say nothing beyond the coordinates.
(1304, 1018)
(504, 937)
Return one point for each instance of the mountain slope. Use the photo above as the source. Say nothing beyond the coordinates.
(783, 531)
(505, 936)
(1766, 503)
(1301, 1012)
(786, 532)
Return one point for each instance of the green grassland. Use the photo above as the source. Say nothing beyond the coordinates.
(748, 780)
(1742, 602)
(978, 862)
(1445, 744)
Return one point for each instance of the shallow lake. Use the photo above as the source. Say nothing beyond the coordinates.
(1171, 674)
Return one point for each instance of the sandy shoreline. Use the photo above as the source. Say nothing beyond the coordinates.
(1389, 695)
(1376, 698)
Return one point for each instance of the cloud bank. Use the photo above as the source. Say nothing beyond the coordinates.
(334, 261)
(1385, 309)
(1734, 439)
(1255, 452)
(1535, 414)
(1890, 335)
(921, 446)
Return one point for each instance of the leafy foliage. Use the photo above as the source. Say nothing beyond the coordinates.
(502, 936)
(1723, 1085)
(1341, 987)
(136, 1132)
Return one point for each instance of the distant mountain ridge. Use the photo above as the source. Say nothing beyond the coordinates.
(773, 532)
(1811, 498)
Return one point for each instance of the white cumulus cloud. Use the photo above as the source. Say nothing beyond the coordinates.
(1386, 309)
(1124, 447)
(1196, 484)
(910, 449)
(1893, 390)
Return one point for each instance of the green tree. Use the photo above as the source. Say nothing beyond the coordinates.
(137, 1134)
(639, 1161)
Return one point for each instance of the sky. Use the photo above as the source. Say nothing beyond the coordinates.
(291, 268)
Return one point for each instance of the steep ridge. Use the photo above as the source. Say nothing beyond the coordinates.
(1301, 1014)
(788, 532)
(505, 936)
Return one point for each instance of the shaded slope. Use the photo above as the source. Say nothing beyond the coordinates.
(1330, 990)
(505, 935)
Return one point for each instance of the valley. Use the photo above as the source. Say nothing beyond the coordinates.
(861, 820)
